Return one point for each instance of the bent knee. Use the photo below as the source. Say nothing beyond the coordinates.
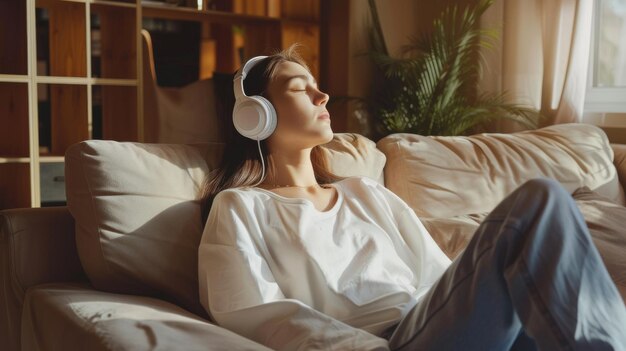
(544, 185)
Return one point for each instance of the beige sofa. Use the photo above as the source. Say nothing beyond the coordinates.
(116, 269)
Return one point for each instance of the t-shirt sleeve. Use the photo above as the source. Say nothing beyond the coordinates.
(238, 289)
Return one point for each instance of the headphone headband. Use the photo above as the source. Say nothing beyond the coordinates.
(241, 75)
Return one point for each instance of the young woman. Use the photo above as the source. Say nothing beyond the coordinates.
(297, 259)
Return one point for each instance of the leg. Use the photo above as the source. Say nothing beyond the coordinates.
(530, 272)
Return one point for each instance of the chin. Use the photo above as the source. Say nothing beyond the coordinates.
(327, 136)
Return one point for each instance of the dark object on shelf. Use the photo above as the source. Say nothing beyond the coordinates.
(176, 51)
(52, 184)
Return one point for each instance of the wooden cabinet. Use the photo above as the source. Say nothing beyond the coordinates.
(70, 71)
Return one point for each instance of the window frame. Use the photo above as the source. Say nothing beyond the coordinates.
(601, 99)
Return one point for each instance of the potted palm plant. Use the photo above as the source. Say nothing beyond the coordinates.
(432, 88)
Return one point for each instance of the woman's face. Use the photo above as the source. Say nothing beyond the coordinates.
(303, 121)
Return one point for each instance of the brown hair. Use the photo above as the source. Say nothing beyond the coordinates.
(241, 164)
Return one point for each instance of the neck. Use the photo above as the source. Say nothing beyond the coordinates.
(292, 168)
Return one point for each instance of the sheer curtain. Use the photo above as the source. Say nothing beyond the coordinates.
(541, 56)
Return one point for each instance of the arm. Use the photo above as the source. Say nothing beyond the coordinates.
(240, 292)
(36, 246)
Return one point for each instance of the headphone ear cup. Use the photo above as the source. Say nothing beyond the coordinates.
(254, 117)
(271, 119)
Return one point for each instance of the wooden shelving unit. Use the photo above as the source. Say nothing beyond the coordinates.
(70, 70)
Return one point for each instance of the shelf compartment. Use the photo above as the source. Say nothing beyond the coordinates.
(13, 78)
(14, 120)
(52, 184)
(238, 43)
(113, 42)
(114, 113)
(13, 53)
(14, 185)
(62, 117)
(61, 39)
(305, 10)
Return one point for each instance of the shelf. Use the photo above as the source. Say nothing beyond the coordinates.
(61, 80)
(51, 159)
(116, 82)
(50, 3)
(191, 14)
(14, 78)
(114, 3)
(81, 81)
(14, 160)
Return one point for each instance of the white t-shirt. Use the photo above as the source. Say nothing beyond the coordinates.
(280, 272)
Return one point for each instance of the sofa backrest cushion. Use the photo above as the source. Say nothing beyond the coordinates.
(137, 216)
(137, 210)
(452, 176)
(605, 220)
(355, 155)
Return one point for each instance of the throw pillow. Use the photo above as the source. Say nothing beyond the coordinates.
(137, 216)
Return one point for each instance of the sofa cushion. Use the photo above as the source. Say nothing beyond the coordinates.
(354, 155)
(606, 221)
(451, 176)
(76, 317)
(137, 216)
(454, 233)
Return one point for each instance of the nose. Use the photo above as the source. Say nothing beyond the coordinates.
(321, 98)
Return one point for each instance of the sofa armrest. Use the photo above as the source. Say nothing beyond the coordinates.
(619, 160)
(36, 246)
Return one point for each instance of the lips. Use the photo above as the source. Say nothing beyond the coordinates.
(324, 115)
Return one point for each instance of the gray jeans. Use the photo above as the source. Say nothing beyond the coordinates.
(530, 279)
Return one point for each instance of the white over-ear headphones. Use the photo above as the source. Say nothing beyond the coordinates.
(253, 116)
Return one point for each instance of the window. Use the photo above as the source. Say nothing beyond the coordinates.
(606, 87)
